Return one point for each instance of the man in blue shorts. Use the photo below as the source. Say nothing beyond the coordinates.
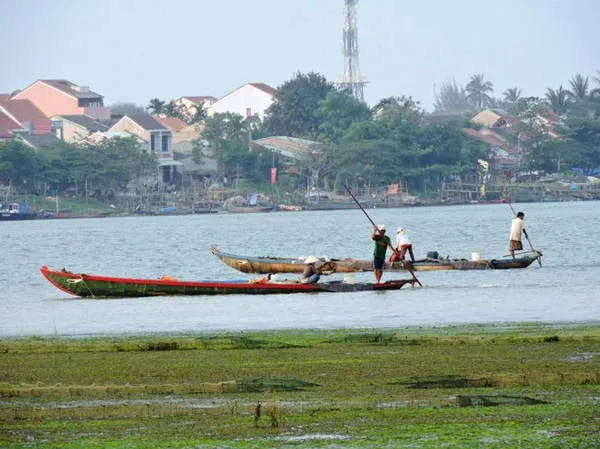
(382, 242)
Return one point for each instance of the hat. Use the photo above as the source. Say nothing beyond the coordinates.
(310, 259)
(381, 227)
(399, 230)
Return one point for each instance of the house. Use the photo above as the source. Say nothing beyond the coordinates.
(494, 118)
(26, 114)
(157, 139)
(249, 100)
(190, 103)
(75, 128)
(10, 127)
(182, 132)
(62, 97)
(505, 156)
(39, 141)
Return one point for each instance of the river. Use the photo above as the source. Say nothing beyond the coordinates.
(565, 290)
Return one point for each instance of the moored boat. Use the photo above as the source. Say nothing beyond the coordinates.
(269, 264)
(94, 286)
(16, 211)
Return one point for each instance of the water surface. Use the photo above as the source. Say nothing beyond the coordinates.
(565, 289)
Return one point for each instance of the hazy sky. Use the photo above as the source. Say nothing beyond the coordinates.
(135, 50)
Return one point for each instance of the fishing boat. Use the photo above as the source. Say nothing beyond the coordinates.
(16, 211)
(94, 286)
(269, 264)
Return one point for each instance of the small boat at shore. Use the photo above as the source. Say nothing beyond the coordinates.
(16, 211)
(94, 286)
(264, 265)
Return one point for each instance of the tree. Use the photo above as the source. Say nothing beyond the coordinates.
(451, 97)
(403, 105)
(127, 108)
(558, 99)
(156, 106)
(478, 91)
(579, 91)
(227, 135)
(296, 100)
(20, 166)
(511, 95)
(337, 112)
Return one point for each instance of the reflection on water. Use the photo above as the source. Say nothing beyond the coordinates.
(565, 289)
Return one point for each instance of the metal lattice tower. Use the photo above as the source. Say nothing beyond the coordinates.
(351, 78)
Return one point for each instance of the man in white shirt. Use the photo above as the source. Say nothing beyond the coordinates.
(403, 244)
(516, 228)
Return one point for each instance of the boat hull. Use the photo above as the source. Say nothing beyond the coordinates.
(264, 265)
(93, 286)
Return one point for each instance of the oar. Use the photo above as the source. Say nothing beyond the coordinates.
(539, 259)
(407, 266)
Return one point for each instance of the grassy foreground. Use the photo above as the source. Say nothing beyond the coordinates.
(533, 386)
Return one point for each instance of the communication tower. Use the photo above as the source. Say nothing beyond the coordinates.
(351, 78)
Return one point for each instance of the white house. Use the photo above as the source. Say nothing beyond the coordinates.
(251, 99)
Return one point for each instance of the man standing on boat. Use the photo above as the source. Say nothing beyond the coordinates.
(382, 242)
(516, 228)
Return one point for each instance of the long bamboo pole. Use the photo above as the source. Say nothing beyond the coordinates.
(407, 266)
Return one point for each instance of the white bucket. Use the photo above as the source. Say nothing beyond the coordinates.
(475, 257)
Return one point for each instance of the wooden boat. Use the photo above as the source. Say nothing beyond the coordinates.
(264, 265)
(93, 286)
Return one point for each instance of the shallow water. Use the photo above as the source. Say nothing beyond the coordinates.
(565, 289)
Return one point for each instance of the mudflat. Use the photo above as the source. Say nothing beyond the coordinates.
(525, 385)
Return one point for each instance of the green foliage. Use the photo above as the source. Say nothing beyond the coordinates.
(478, 91)
(294, 111)
(337, 112)
(19, 166)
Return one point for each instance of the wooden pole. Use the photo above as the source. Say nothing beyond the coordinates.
(539, 259)
(407, 266)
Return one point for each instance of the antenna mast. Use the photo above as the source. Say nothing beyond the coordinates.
(351, 78)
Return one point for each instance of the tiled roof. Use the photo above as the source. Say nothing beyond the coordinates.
(287, 146)
(261, 86)
(201, 99)
(21, 110)
(7, 124)
(146, 121)
(38, 141)
(488, 137)
(264, 87)
(85, 122)
(71, 89)
(173, 123)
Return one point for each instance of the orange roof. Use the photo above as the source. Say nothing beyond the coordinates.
(173, 123)
(21, 110)
(7, 124)
(201, 99)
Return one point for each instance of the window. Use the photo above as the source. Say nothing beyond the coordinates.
(152, 143)
(165, 144)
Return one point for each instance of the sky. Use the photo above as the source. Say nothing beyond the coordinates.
(135, 50)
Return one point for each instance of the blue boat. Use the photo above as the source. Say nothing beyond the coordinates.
(16, 211)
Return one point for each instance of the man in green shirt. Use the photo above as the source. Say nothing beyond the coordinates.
(382, 242)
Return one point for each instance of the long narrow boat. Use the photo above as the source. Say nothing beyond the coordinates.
(264, 265)
(93, 286)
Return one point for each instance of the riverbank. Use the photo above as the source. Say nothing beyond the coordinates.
(510, 386)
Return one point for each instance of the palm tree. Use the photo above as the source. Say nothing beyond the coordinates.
(478, 89)
(579, 88)
(512, 94)
(558, 99)
(156, 106)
